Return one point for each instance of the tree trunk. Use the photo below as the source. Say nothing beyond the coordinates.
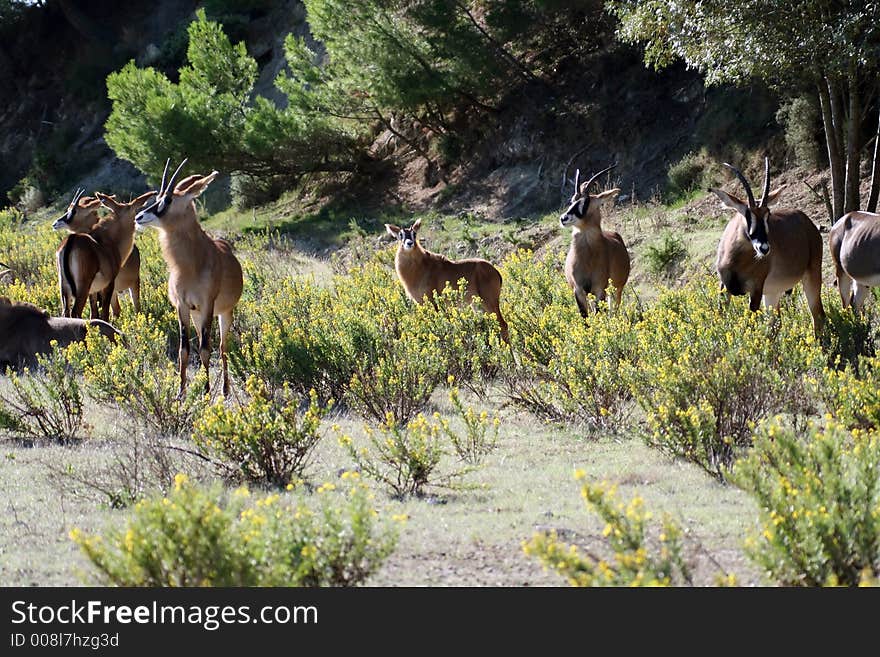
(835, 161)
(875, 168)
(853, 142)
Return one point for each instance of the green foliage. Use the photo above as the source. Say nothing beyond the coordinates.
(803, 126)
(194, 538)
(268, 440)
(663, 256)
(406, 459)
(636, 561)
(706, 371)
(137, 375)
(46, 403)
(480, 433)
(563, 367)
(819, 497)
(852, 396)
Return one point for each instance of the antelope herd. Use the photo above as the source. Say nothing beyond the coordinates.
(762, 253)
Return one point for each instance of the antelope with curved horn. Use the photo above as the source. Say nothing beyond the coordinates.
(764, 252)
(854, 241)
(423, 272)
(114, 232)
(204, 277)
(596, 256)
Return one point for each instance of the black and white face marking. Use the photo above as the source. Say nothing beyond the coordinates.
(757, 232)
(577, 208)
(64, 220)
(153, 211)
(407, 237)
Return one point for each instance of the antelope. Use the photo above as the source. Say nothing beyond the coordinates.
(204, 277)
(26, 331)
(91, 258)
(596, 256)
(423, 272)
(765, 253)
(854, 242)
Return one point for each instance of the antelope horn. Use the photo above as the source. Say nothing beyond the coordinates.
(78, 194)
(766, 182)
(745, 183)
(174, 177)
(164, 173)
(596, 175)
(577, 178)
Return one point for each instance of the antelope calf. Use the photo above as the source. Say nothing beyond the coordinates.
(96, 252)
(423, 273)
(765, 253)
(596, 256)
(204, 277)
(26, 331)
(854, 242)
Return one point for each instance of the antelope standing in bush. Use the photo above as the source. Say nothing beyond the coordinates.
(765, 253)
(595, 256)
(93, 256)
(854, 241)
(26, 331)
(204, 277)
(423, 272)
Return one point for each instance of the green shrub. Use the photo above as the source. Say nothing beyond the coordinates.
(563, 367)
(480, 433)
(819, 497)
(267, 440)
(707, 371)
(136, 374)
(406, 459)
(194, 538)
(850, 398)
(848, 336)
(636, 561)
(803, 127)
(663, 256)
(45, 403)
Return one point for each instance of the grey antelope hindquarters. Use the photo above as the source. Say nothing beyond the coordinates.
(596, 256)
(422, 273)
(854, 242)
(764, 252)
(204, 277)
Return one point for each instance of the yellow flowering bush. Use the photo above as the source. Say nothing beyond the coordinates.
(635, 560)
(819, 496)
(562, 366)
(199, 537)
(137, 374)
(852, 397)
(44, 403)
(405, 458)
(480, 432)
(267, 440)
(707, 371)
(28, 250)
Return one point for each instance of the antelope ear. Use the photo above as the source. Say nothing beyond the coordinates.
(90, 203)
(393, 230)
(730, 201)
(773, 196)
(417, 224)
(198, 187)
(607, 199)
(582, 190)
(143, 198)
(108, 202)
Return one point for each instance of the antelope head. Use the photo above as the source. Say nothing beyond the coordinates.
(167, 209)
(81, 214)
(124, 212)
(584, 205)
(406, 236)
(754, 215)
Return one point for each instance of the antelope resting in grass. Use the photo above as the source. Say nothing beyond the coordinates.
(596, 256)
(96, 253)
(26, 331)
(765, 253)
(854, 241)
(204, 277)
(423, 272)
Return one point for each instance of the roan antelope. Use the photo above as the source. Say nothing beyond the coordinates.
(204, 277)
(26, 331)
(765, 253)
(423, 272)
(92, 257)
(595, 256)
(854, 241)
